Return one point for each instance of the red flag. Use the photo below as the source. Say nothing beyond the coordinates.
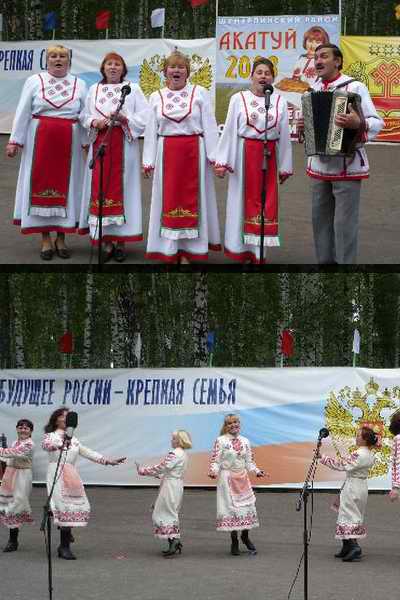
(65, 343)
(287, 343)
(103, 19)
(196, 3)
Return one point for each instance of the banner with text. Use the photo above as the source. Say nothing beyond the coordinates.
(144, 59)
(133, 413)
(376, 62)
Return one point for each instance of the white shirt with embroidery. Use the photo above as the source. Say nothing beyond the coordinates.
(246, 119)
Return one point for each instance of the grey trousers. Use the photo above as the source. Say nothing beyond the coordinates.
(335, 208)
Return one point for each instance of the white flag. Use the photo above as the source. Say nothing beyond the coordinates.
(356, 342)
(158, 17)
(138, 347)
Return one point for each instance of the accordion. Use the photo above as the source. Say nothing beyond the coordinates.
(322, 136)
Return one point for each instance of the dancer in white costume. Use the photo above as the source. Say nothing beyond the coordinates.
(171, 471)
(230, 462)
(240, 151)
(47, 128)
(354, 494)
(69, 504)
(122, 210)
(180, 141)
(16, 485)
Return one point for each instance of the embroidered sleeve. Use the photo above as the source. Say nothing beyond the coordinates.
(91, 455)
(23, 114)
(227, 145)
(396, 462)
(373, 121)
(250, 464)
(139, 113)
(285, 160)
(51, 443)
(347, 463)
(210, 129)
(215, 459)
(167, 463)
(150, 137)
(17, 450)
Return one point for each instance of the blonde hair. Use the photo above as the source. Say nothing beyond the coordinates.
(174, 57)
(184, 439)
(226, 422)
(58, 48)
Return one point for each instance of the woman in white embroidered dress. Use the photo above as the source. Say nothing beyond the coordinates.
(16, 485)
(69, 504)
(354, 494)
(240, 152)
(180, 141)
(122, 210)
(171, 471)
(47, 128)
(230, 462)
(394, 428)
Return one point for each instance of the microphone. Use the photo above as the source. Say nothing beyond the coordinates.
(71, 423)
(268, 90)
(125, 91)
(323, 433)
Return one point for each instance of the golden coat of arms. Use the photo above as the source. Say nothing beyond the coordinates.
(348, 410)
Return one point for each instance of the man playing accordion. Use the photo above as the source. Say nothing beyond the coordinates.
(336, 179)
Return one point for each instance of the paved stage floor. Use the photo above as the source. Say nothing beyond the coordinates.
(379, 217)
(118, 558)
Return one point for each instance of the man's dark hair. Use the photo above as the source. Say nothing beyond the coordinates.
(337, 53)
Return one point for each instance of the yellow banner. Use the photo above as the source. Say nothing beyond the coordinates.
(375, 61)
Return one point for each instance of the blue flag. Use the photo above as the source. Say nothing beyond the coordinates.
(50, 21)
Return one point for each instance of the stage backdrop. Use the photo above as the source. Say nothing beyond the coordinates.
(19, 60)
(376, 62)
(133, 413)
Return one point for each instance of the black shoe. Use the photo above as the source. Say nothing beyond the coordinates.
(65, 552)
(248, 543)
(170, 540)
(235, 544)
(11, 546)
(176, 546)
(47, 254)
(62, 252)
(119, 254)
(353, 554)
(344, 550)
(107, 255)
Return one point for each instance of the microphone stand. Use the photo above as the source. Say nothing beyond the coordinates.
(46, 523)
(99, 155)
(266, 156)
(303, 500)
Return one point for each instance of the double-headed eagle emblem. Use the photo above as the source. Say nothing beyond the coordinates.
(348, 410)
(152, 78)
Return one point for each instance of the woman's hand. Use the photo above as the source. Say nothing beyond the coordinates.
(11, 150)
(120, 118)
(115, 461)
(220, 171)
(212, 476)
(394, 494)
(100, 124)
(147, 173)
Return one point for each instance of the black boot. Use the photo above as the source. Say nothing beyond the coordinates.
(354, 552)
(64, 550)
(12, 544)
(247, 542)
(344, 550)
(170, 540)
(175, 547)
(235, 544)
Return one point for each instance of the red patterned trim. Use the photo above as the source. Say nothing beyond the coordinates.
(173, 258)
(16, 144)
(167, 531)
(15, 520)
(52, 103)
(396, 462)
(232, 523)
(114, 238)
(247, 115)
(336, 177)
(345, 531)
(47, 229)
(243, 257)
(187, 114)
(148, 168)
(226, 167)
(69, 516)
(215, 247)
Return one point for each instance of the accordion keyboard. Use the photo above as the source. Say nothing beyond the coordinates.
(336, 137)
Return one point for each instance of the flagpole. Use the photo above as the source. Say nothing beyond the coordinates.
(210, 359)
(107, 33)
(162, 31)
(216, 17)
(54, 34)
(340, 16)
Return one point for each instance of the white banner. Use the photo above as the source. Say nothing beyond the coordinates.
(19, 60)
(133, 413)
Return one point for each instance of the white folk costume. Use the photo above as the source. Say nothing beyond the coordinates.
(240, 151)
(180, 141)
(46, 126)
(340, 168)
(122, 208)
(396, 462)
(304, 69)
(16, 485)
(354, 493)
(69, 504)
(230, 461)
(166, 509)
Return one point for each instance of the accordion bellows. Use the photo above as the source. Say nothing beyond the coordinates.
(322, 136)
